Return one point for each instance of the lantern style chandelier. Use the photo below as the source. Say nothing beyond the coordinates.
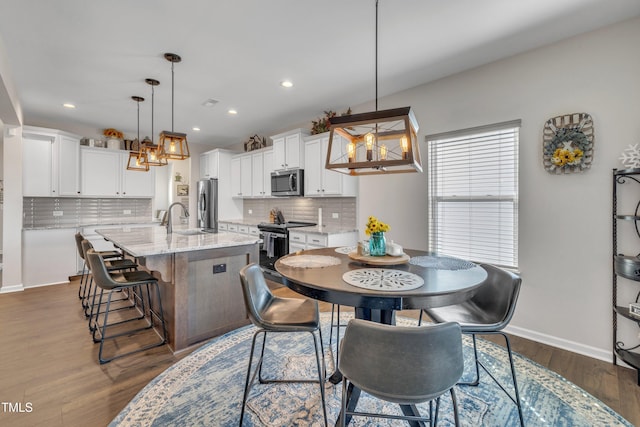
(154, 155)
(174, 144)
(379, 142)
(137, 156)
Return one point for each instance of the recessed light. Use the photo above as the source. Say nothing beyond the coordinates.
(196, 128)
(286, 83)
(68, 105)
(232, 111)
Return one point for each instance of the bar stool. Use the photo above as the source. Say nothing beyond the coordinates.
(115, 265)
(114, 282)
(85, 270)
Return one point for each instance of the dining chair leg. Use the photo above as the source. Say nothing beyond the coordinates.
(456, 414)
(321, 373)
(476, 381)
(478, 364)
(249, 379)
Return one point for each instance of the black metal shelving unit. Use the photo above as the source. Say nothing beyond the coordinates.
(627, 267)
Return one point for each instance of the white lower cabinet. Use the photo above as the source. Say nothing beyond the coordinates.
(48, 256)
(301, 240)
(232, 227)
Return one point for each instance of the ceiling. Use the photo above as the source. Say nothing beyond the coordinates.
(96, 55)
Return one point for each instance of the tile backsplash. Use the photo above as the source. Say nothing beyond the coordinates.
(50, 212)
(305, 209)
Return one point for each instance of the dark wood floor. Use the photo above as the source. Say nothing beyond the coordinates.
(50, 376)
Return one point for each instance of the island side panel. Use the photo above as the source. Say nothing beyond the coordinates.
(162, 266)
(198, 303)
(215, 302)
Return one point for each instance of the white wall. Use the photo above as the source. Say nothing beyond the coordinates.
(565, 221)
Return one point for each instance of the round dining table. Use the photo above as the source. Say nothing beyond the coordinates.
(431, 281)
(447, 281)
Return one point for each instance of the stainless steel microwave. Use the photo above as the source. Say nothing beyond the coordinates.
(287, 183)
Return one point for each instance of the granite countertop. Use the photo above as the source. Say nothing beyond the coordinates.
(145, 241)
(241, 221)
(325, 229)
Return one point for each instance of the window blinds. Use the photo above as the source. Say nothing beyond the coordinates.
(473, 193)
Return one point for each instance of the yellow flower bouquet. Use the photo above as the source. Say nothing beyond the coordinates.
(375, 226)
(376, 229)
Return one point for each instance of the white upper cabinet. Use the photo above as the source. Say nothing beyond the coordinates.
(68, 166)
(104, 174)
(319, 181)
(209, 164)
(50, 163)
(261, 165)
(236, 177)
(246, 175)
(288, 151)
(136, 183)
(37, 166)
(100, 176)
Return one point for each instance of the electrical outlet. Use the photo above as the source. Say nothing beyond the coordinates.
(335, 215)
(127, 212)
(250, 211)
(57, 213)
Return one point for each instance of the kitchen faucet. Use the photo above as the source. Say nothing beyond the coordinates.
(168, 224)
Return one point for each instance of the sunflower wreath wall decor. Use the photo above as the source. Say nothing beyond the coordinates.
(568, 143)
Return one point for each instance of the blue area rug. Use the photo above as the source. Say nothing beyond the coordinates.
(205, 389)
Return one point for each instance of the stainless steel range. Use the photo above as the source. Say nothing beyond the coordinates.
(275, 244)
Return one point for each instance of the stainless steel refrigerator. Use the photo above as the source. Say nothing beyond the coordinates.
(208, 205)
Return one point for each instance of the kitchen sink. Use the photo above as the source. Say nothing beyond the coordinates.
(190, 232)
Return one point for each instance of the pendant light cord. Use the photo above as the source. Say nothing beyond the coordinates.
(138, 102)
(376, 56)
(172, 95)
(152, 103)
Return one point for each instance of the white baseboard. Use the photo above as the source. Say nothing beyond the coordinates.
(576, 347)
(14, 288)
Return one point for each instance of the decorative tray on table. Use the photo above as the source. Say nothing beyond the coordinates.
(380, 260)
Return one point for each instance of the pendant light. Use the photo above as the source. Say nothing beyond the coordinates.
(174, 144)
(153, 152)
(137, 156)
(378, 142)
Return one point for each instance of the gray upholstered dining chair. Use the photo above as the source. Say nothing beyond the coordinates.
(406, 365)
(488, 311)
(272, 314)
(115, 282)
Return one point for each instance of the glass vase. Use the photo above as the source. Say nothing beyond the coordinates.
(377, 244)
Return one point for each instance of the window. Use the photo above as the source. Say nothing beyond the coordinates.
(473, 193)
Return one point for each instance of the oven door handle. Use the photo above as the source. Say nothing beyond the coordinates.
(276, 235)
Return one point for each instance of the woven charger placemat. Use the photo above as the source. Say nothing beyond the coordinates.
(346, 249)
(383, 279)
(310, 261)
(441, 262)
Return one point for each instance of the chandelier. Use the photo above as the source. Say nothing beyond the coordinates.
(138, 157)
(153, 153)
(378, 142)
(174, 144)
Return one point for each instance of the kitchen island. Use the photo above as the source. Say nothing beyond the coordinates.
(198, 274)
